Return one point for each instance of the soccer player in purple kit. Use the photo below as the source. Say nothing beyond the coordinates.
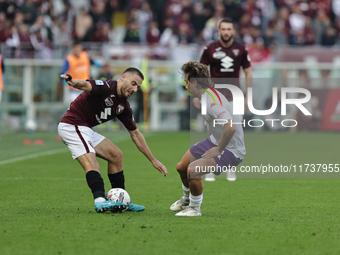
(223, 149)
(101, 101)
(225, 57)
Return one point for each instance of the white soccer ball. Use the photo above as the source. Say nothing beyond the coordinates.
(119, 195)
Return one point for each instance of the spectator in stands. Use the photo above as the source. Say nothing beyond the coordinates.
(153, 34)
(308, 32)
(210, 31)
(68, 16)
(233, 10)
(9, 7)
(329, 37)
(29, 10)
(184, 34)
(320, 23)
(101, 33)
(169, 37)
(297, 20)
(26, 49)
(132, 33)
(106, 73)
(198, 19)
(83, 24)
(143, 18)
(61, 35)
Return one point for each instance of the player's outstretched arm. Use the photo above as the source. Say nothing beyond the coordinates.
(141, 144)
(228, 133)
(77, 83)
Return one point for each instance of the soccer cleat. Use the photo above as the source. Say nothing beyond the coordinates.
(178, 205)
(189, 211)
(135, 208)
(109, 205)
(210, 177)
(231, 176)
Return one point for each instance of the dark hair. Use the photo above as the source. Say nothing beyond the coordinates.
(134, 70)
(197, 70)
(225, 20)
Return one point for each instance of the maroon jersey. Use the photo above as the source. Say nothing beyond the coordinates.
(98, 106)
(225, 62)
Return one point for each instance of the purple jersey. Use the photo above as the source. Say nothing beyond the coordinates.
(98, 106)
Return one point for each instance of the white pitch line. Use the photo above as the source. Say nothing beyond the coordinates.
(52, 152)
(34, 155)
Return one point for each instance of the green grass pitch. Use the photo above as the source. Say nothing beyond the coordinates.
(47, 208)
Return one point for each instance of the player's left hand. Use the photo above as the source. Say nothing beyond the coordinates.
(158, 165)
(213, 152)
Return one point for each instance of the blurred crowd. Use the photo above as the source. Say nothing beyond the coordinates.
(263, 25)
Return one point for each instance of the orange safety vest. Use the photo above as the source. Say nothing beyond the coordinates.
(1, 73)
(79, 68)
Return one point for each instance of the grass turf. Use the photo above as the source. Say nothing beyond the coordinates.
(47, 208)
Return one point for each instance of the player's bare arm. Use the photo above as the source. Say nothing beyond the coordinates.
(77, 83)
(228, 132)
(141, 144)
(249, 83)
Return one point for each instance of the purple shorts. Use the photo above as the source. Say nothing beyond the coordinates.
(226, 158)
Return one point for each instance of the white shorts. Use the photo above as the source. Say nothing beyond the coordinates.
(79, 139)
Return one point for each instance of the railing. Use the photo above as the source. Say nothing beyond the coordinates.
(33, 90)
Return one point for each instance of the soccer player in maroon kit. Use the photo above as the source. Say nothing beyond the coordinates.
(101, 101)
(225, 58)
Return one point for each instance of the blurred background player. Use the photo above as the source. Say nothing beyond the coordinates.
(224, 147)
(2, 74)
(104, 100)
(106, 72)
(78, 64)
(225, 57)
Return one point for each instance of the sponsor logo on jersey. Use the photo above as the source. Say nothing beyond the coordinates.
(218, 49)
(227, 63)
(108, 101)
(219, 54)
(120, 108)
(212, 104)
(99, 82)
(236, 52)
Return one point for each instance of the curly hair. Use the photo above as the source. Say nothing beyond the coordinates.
(197, 70)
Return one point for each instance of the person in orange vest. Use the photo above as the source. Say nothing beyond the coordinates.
(2, 73)
(78, 64)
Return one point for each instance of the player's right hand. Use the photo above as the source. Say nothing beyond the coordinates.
(158, 165)
(68, 79)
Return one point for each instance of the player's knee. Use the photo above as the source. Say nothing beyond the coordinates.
(181, 167)
(118, 155)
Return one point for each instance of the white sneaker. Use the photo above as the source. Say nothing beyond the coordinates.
(231, 176)
(210, 177)
(178, 205)
(189, 211)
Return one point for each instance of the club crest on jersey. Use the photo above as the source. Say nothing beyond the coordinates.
(99, 82)
(236, 52)
(219, 54)
(120, 108)
(108, 101)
